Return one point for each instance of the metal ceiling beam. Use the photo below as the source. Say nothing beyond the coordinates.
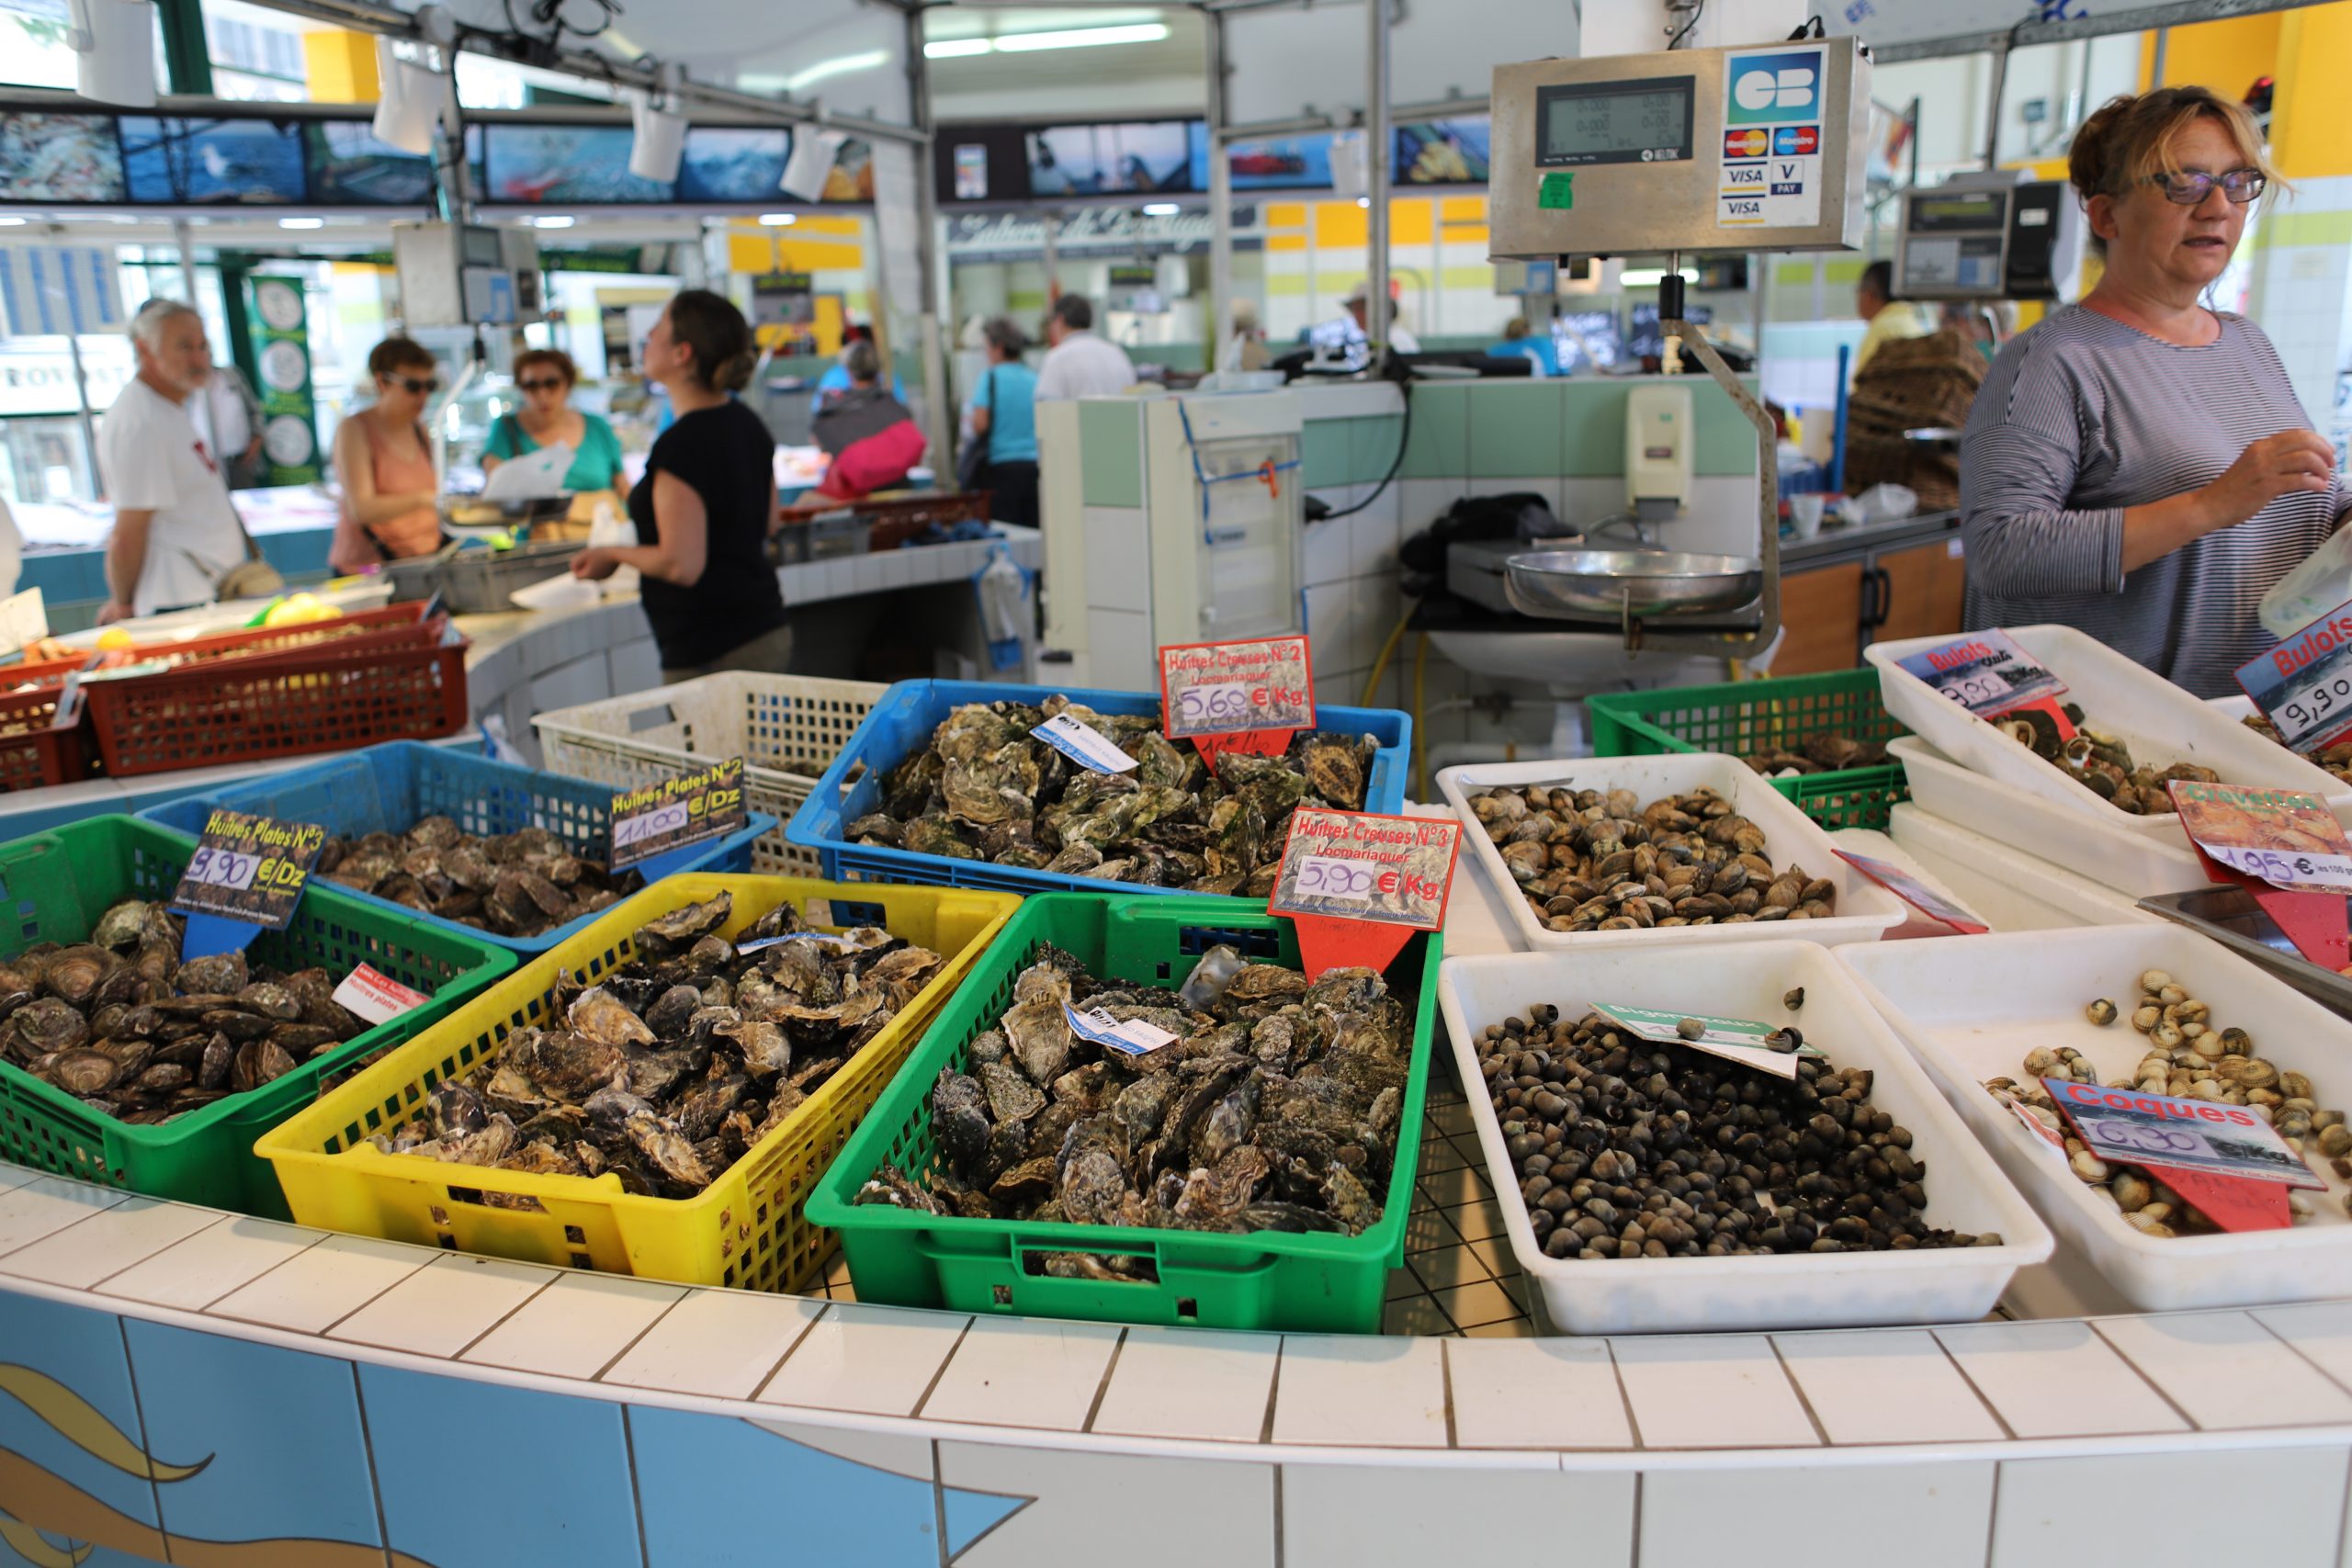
(2138, 18)
(363, 16)
(1349, 119)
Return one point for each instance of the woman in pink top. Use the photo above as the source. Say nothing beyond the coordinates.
(390, 501)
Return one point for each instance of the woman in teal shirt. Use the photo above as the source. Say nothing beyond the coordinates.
(547, 418)
(1004, 410)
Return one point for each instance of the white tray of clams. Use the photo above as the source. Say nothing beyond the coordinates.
(1858, 909)
(1978, 1009)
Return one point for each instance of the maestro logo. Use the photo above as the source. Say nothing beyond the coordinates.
(1766, 89)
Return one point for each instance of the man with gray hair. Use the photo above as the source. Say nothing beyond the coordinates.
(175, 530)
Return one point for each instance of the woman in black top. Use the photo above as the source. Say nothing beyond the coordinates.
(705, 505)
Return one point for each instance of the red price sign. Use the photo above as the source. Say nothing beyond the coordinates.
(1357, 885)
(1235, 688)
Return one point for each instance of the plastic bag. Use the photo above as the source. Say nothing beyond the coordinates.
(1211, 975)
(2313, 589)
(611, 529)
(1004, 589)
(1885, 503)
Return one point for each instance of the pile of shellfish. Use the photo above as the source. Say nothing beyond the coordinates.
(2335, 759)
(1591, 859)
(670, 1067)
(121, 1023)
(1276, 1106)
(2101, 763)
(1820, 752)
(518, 883)
(987, 789)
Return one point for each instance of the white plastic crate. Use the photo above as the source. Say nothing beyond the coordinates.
(2009, 890)
(785, 728)
(1972, 1008)
(1865, 911)
(2160, 723)
(1965, 1192)
(2090, 846)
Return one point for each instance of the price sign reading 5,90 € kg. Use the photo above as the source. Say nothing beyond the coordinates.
(251, 870)
(1358, 885)
(655, 819)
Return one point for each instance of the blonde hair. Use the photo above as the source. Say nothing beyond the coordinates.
(2130, 140)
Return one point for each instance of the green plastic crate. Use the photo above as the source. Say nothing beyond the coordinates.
(54, 887)
(1742, 718)
(1267, 1279)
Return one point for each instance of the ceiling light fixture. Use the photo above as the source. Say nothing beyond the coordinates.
(1079, 38)
(1651, 277)
(559, 221)
(955, 48)
(778, 219)
(301, 223)
(1161, 210)
(840, 66)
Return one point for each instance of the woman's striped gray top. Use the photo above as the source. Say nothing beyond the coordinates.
(2084, 417)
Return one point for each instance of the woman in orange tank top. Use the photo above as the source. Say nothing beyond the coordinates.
(390, 501)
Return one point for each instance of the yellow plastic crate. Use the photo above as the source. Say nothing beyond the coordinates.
(746, 1230)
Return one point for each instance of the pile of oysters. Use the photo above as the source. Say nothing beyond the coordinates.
(986, 789)
(120, 1022)
(669, 1069)
(1276, 1106)
(518, 883)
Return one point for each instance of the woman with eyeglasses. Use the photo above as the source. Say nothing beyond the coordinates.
(2137, 466)
(547, 418)
(391, 497)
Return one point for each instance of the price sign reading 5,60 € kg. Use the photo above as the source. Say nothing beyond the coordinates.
(1357, 885)
(249, 868)
(1223, 688)
(655, 819)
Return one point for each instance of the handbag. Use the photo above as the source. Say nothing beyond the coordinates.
(252, 578)
(972, 463)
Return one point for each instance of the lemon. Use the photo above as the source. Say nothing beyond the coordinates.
(114, 639)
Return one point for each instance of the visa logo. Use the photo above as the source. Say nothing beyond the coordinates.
(1746, 207)
(1752, 174)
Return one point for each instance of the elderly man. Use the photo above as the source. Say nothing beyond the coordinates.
(1081, 365)
(176, 532)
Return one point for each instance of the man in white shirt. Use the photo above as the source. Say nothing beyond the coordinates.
(1399, 339)
(1081, 365)
(175, 530)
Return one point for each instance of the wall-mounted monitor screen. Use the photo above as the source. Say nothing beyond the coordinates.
(1443, 151)
(1138, 158)
(60, 157)
(732, 163)
(540, 164)
(175, 160)
(350, 167)
(1280, 162)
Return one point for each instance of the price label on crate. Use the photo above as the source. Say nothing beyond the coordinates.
(1740, 1040)
(2287, 838)
(2224, 1158)
(1247, 697)
(1987, 673)
(245, 877)
(1131, 1036)
(1916, 892)
(375, 995)
(1357, 885)
(655, 822)
(1083, 744)
(2303, 686)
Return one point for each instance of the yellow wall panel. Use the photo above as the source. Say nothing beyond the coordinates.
(1411, 221)
(340, 67)
(2311, 119)
(1339, 223)
(2225, 56)
(1285, 242)
(755, 254)
(1286, 215)
(1463, 209)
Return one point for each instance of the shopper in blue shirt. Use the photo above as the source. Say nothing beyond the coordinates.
(1517, 345)
(1004, 412)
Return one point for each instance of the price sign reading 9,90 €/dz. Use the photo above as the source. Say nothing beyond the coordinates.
(655, 819)
(1358, 885)
(1227, 688)
(249, 868)
(2304, 685)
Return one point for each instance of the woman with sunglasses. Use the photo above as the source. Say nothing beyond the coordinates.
(2137, 466)
(391, 499)
(547, 417)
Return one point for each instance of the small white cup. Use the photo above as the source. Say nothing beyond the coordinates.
(1805, 512)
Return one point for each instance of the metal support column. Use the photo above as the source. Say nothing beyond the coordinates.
(1220, 312)
(186, 59)
(184, 241)
(937, 423)
(1377, 154)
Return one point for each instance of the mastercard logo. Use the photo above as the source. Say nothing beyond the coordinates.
(1746, 144)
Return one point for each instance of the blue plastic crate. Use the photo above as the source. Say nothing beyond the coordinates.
(910, 711)
(387, 788)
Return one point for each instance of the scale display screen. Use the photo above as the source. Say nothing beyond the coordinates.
(1643, 121)
(1981, 210)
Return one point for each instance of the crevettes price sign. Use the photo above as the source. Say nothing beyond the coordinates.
(1227, 688)
(249, 868)
(1358, 885)
(2286, 838)
(654, 819)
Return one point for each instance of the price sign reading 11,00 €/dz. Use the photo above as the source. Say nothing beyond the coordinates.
(1227, 688)
(655, 819)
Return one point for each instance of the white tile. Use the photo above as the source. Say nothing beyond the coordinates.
(1378, 606)
(1368, 1392)
(47, 1204)
(1086, 1510)
(1710, 1392)
(1326, 553)
(1372, 534)
(209, 1264)
(575, 1326)
(1330, 628)
(1339, 689)
(1889, 1385)
(324, 1284)
(1392, 1517)
(1190, 1382)
(17, 1175)
(1922, 1515)
(441, 1308)
(107, 1242)
(1536, 1394)
(722, 1343)
(2225, 1369)
(2320, 1330)
(2056, 1379)
(877, 1360)
(2280, 1507)
(1024, 1372)
(1121, 655)
(1421, 502)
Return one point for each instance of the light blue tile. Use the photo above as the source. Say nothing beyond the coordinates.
(83, 1351)
(1110, 469)
(1515, 430)
(836, 1510)
(289, 1460)
(1372, 446)
(1323, 453)
(49, 1547)
(1726, 442)
(971, 1514)
(1439, 444)
(1593, 430)
(475, 1472)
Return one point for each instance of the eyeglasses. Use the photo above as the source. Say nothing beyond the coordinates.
(416, 386)
(2241, 186)
(540, 383)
